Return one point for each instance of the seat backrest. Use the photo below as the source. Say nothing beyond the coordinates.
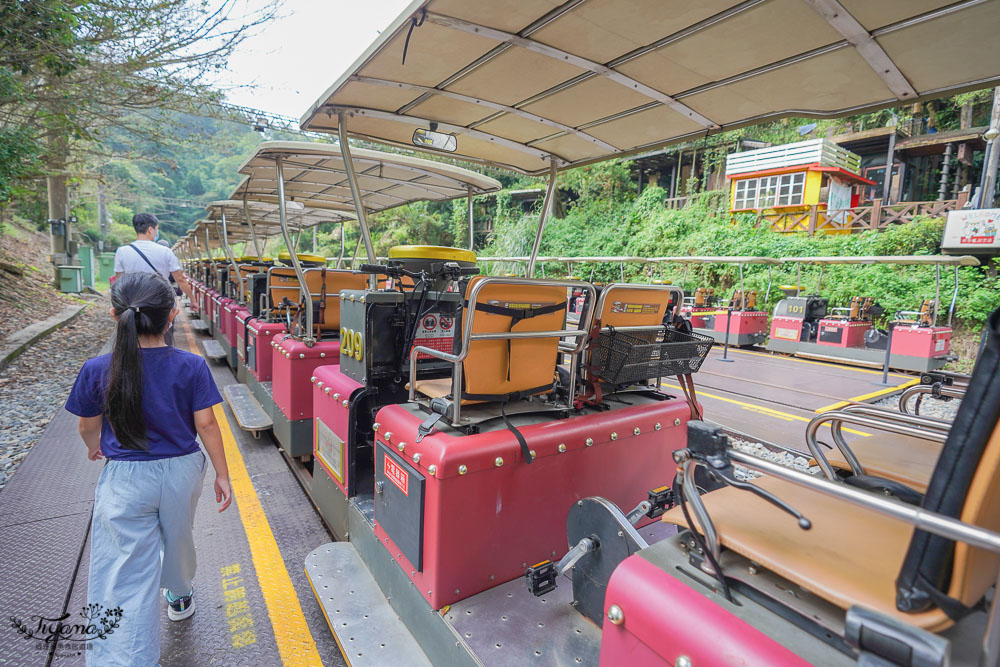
(633, 307)
(495, 369)
(324, 287)
(965, 484)
(282, 283)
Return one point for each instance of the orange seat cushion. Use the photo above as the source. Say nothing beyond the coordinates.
(901, 458)
(850, 556)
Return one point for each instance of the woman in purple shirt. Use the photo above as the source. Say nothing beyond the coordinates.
(142, 408)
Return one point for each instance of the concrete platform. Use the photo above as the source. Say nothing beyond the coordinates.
(254, 605)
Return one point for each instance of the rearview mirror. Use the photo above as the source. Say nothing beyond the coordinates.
(436, 140)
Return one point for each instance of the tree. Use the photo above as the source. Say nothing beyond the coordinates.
(75, 69)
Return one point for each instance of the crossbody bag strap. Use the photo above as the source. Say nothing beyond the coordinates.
(144, 258)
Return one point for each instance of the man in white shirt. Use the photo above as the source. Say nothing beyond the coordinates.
(147, 256)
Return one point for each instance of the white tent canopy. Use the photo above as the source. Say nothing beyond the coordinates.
(530, 85)
(315, 176)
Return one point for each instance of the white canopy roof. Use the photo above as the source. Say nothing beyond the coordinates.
(579, 81)
(315, 177)
(265, 215)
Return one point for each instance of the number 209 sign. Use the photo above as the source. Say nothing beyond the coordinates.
(350, 344)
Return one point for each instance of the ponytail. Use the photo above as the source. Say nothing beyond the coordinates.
(142, 303)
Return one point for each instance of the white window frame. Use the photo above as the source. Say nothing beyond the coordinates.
(769, 191)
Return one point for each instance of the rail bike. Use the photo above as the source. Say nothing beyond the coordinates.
(519, 486)
(806, 325)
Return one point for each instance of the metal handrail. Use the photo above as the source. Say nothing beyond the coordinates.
(919, 518)
(910, 392)
(837, 419)
(468, 337)
(933, 423)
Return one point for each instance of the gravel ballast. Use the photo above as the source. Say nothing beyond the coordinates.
(36, 383)
(929, 406)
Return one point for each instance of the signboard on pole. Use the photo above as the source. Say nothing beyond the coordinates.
(972, 231)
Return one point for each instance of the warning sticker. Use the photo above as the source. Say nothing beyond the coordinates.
(436, 332)
(330, 449)
(787, 334)
(395, 474)
(517, 305)
(635, 308)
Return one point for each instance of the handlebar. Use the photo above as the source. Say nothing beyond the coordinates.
(448, 270)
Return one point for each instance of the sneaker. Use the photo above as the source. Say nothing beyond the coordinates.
(179, 608)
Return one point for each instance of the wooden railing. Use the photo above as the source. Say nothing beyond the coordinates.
(875, 216)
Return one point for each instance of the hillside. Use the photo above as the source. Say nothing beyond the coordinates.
(28, 297)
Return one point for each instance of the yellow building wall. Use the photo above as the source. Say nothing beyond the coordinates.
(810, 196)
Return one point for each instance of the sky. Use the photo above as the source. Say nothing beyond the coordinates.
(289, 63)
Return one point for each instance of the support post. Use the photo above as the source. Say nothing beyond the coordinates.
(306, 298)
(937, 293)
(224, 237)
(253, 235)
(725, 348)
(546, 206)
(885, 362)
(945, 168)
(992, 158)
(890, 157)
(472, 223)
(352, 179)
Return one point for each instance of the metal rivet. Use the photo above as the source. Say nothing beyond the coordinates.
(416, 457)
(388, 436)
(562, 447)
(432, 470)
(498, 462)
(352, 298)
(362, 299)
(344, 402)
(322, 355)
(682, 661)
(320, 383)
(589, 442)
(532, 453)
(336, 396)
(401, 446)
(462, 469)
(614, 436)
(616, 615)
(313, 379)
(376, 426)
(636, 431)
(342, 297)
(326, 391)
(657, 426)
(302, 355)
(677, 422)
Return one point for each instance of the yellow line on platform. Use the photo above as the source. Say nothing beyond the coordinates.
(865, 397)
(295, 642)
(760, 409)
(846, 367)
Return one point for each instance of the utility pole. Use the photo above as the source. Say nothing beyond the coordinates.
(989, 180)
(102, 210)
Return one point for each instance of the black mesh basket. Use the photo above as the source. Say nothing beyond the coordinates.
(637, 356)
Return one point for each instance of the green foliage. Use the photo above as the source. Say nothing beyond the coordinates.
(631, 226)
